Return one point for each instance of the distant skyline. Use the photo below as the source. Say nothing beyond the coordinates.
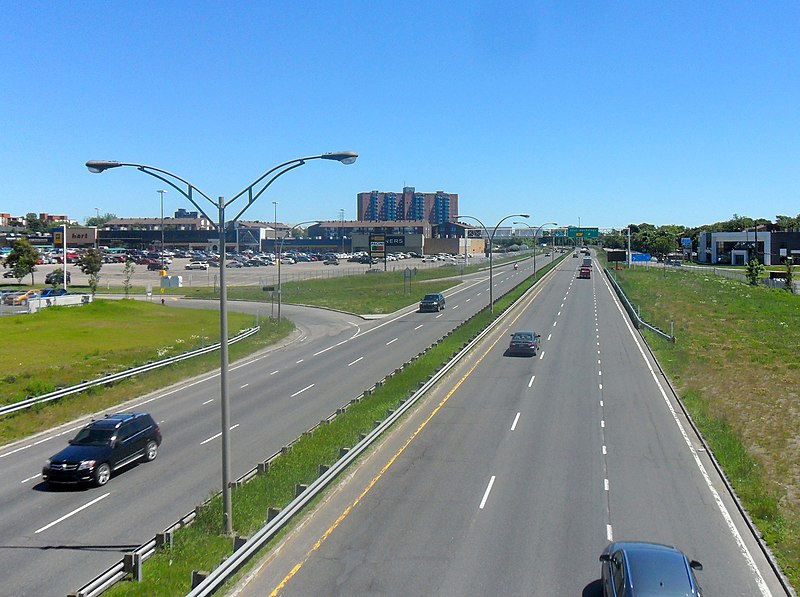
(600, 113)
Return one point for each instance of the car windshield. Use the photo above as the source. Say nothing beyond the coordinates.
(523, 337)
(431, 297)
(90, 436)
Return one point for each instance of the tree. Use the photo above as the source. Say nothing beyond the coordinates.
(34, 224)
(130, 266)
(754, 271)
(789, 274)
(91, 262)
(100, 220)
(22, 259)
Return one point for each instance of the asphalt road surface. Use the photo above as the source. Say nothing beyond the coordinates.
(54, 541)
(516, 472)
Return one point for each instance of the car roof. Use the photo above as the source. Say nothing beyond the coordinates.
(656, 569)
(115, 420)
(523, 333)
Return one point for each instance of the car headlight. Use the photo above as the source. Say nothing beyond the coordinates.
(47, 463)
(86, 464)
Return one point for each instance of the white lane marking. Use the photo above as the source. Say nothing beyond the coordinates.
(273, 373)
(541, 355)
(609, 533)
(438, 316)
(419, 326)
(599, 373)
(601, 404)
(559, 314)
(298, 362)
(29, 479)
(73, 513)
(244, 386)
(455, 307)
(602, 423)
(41, 441)
(605, 483)
(598, 361)
(391, 342)
(208, 402)
(549, 336)
(468, 300)
(319, 352)
(216, 435)
(530, 383)
(308, 387)
(605, 451)
(354, 362)
(486, 493)
(513, 425)
(601, 386)
(762, 585)
(555, 323)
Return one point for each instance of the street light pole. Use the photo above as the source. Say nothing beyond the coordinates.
(536, 246)
(534, 241)
(341, 228)
(98, 166)
(491, 243)
(161, 192)
(278, 257)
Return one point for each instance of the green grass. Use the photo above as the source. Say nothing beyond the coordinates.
(736, 367)
(202, 546)
(62, 346)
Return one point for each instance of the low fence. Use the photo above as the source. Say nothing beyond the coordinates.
(114, 377)
(634, 313)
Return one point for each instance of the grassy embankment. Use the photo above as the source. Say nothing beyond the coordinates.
(202, 545)
(735, 364)
(61, 346)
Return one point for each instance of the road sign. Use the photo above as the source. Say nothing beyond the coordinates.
(640, 257)
(573, 232)
(377, 244)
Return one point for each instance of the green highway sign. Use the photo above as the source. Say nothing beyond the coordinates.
(573, 232)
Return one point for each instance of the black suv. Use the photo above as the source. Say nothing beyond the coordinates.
(433, 301)
(103, 446)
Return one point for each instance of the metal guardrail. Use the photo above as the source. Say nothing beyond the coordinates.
(634, 314)
(131, 564)
(33, 401)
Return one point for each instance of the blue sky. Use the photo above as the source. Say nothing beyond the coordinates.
(606, 113)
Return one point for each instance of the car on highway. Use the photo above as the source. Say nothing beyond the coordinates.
(639, 569)
(196, 265)
(433, 301)
(103, 447)
(585, 272)
(523, 343)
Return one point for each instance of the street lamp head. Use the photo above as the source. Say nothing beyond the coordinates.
(523, 215)
(345, 157)
(98, 166)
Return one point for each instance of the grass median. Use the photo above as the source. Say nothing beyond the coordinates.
(735, 365)
(202, 545)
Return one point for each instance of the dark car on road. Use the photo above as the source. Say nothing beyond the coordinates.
(433, 301)
(102, 447)
(636, 568)
(523, 343)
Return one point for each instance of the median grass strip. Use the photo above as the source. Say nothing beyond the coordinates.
(201, 545)
(736, 367)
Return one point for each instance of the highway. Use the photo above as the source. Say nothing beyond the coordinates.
(512, 477)
(54, 541)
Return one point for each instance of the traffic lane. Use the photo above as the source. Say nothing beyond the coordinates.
(429, 500)
(68, 532)
(660, 487)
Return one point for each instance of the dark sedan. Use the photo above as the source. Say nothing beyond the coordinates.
(640, 569)
(523, 343)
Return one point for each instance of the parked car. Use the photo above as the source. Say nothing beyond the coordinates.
(524, 343)
(155, 266)
(57, 278)
(197, 265)
(631, 568)
(103, 447)
(24, 297)
(9, 274)
(433, 301)
(331, 261)
(51, 292)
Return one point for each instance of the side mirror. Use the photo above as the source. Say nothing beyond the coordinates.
(605, 557)
(695, 565)
(70, 441)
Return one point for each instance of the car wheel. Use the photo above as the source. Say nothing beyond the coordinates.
(151, 451)
(102, 474)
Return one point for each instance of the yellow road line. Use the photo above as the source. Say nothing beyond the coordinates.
(276, 591)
